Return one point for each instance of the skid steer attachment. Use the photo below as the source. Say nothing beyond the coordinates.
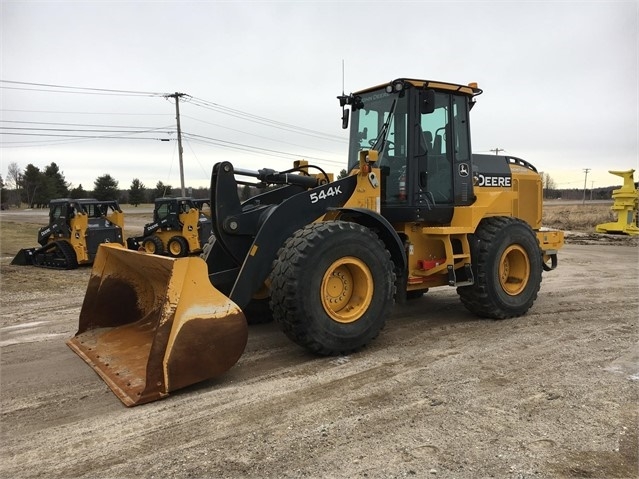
(150, 325)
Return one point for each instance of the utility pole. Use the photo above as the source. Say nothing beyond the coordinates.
(177, 96)
(586, 170)
(497, 150)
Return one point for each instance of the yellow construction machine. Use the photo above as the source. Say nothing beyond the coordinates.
(179, 227)
(625, 207)
(76, 228)
(416, 211)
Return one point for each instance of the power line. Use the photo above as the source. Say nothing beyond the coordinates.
(253, 149)
(82, 90)
(75, 124)
(255, 135)
(87, 136)
(262, 120)
(75, 130)
(68, 135)
(110, 130)
(85, 112)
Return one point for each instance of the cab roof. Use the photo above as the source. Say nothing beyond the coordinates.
(471, 89)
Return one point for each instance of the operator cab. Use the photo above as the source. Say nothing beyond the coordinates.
(421, 131)
(169, 208)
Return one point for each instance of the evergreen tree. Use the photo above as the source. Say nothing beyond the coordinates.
(105, 187)
(78, 192)
(136, 192)
(162, 190)
(57, 186)
(33, 184)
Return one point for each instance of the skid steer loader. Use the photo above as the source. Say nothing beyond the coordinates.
(179, 227)
(76, 228)
(417, 211)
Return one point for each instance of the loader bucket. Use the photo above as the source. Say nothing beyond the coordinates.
(24, 257)
(150, 324)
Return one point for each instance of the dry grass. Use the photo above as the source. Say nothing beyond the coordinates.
(577, 217)
(15, 235)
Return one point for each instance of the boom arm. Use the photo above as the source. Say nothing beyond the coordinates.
(248, 236)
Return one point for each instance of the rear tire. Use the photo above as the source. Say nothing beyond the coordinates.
(507, 265)
(177, 247)
(332, 287)
(153, 245)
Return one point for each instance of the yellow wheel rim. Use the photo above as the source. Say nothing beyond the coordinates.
(149, 247)
(175, 248)
(347, 289)
(514, 270)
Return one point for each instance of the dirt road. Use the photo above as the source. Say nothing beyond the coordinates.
(439, 394)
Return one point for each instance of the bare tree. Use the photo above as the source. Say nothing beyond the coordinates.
(13, 176)
(13, 183)
(548, 185)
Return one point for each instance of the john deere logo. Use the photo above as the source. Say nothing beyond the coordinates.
(463, 170)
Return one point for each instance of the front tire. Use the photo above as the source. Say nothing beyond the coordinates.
(332, 287)
(507, 265)
(153, 245)
(177, 247)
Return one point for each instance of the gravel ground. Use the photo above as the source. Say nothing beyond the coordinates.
(440, 393)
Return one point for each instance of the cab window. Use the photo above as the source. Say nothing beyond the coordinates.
(436, 130)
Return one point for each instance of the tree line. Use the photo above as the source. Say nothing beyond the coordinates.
(35, 188)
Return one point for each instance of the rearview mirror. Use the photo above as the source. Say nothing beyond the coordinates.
(426, 101)
(345, 114)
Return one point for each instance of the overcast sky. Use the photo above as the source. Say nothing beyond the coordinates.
(560, 81)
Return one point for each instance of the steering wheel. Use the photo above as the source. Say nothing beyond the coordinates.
(389, 144)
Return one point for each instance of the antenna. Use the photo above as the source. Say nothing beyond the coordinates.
(343, 101)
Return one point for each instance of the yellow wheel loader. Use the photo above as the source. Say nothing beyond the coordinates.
(179, 227)
(76, 228)
(417, 211)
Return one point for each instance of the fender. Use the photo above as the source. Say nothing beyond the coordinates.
(380, 225)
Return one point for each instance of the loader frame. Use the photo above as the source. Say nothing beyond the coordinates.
(246, 244)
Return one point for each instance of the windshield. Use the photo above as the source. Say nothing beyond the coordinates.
(368, 126)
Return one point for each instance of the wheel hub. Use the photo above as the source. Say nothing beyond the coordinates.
(514, 270)
(347, 289)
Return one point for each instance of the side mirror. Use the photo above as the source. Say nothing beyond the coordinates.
(426, 101)
(345, 114)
